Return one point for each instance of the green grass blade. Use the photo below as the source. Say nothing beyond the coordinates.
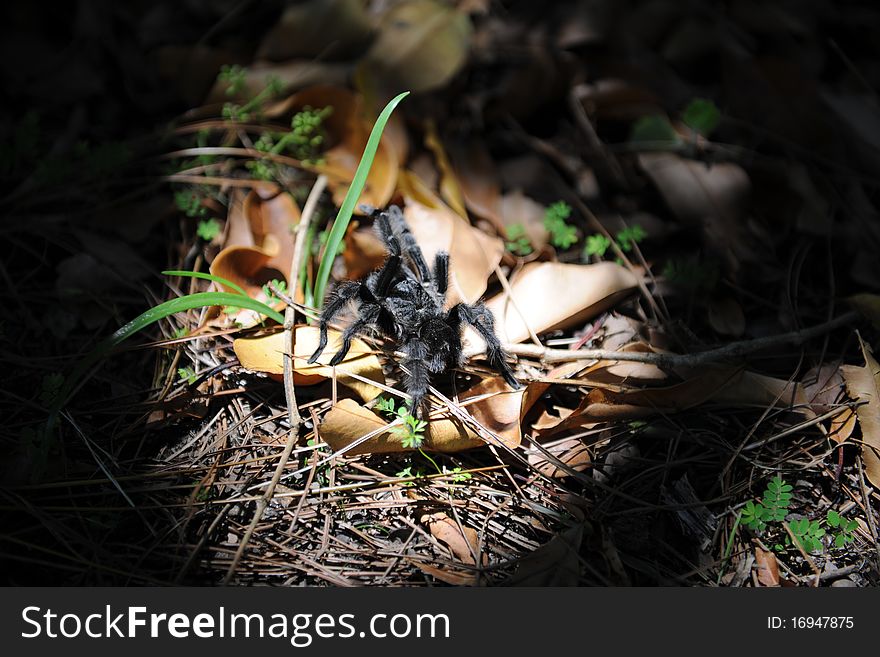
(207, 277)
(351, 197)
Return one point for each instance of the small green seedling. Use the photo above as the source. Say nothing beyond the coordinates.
(808, 533)
(772, 508)
(517, 242)
(234, 76)
(411, 431)
(271, 287)
(208, 229)
(562, 235)
(653, 132)
(187, 375)
(235, 112)
(630, 236)
(702, 116)
(846, 528)
(190, 203)
(596, 246)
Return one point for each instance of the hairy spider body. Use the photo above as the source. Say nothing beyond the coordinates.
(405, 300)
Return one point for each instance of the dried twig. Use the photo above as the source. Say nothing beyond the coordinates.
(667, 360)
(290, 393)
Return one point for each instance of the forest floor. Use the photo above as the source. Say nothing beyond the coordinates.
(670, 209)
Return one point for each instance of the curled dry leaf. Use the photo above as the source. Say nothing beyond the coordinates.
(258, 246)
(266, 354)
(825, 389)
(463, 542)
(863, 384)
(553, 296)
(499, 412)
(420, 46)
(767, 567)
(473, 255)
(715, 198)
(721, 384)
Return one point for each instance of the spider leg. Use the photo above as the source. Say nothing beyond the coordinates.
(410, 248)
(418, 378)
(344, 292)
(369, 317)
(481, 319)
(441, 273)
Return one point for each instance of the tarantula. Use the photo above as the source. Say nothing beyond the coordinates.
(405, 301)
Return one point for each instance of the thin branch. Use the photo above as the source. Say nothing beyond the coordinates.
(668, 360)
(289, 391)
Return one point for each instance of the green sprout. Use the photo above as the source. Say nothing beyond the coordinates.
(412, 430)
(562, 235)
(846, 528)
(235, 112)
(190, 203)
(596, 245)
(234, 76)
(187, 375)
(701, 116)
(517, 241)
(629, 236)
(270, 288)
(208, 229)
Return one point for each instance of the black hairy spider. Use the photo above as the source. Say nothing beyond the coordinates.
(405, 301)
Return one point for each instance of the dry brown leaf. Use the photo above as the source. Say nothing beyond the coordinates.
(464, 542)
(863, 384)
(473, 255)
(319, 30)
(500, 413)
(363, 252)
(767, 567)
(517, 208)
(420, 46)
(258, 245)
(266, 354)
(841, 427)
(447, 574)
(719, 384)
(570, 451)
(348, 421)
(558, 296)
(273, 218)
(714, 197)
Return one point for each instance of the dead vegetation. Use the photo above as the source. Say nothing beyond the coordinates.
(671, 212)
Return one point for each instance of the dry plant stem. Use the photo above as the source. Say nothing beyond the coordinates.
(727, 352)
(289, 391)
